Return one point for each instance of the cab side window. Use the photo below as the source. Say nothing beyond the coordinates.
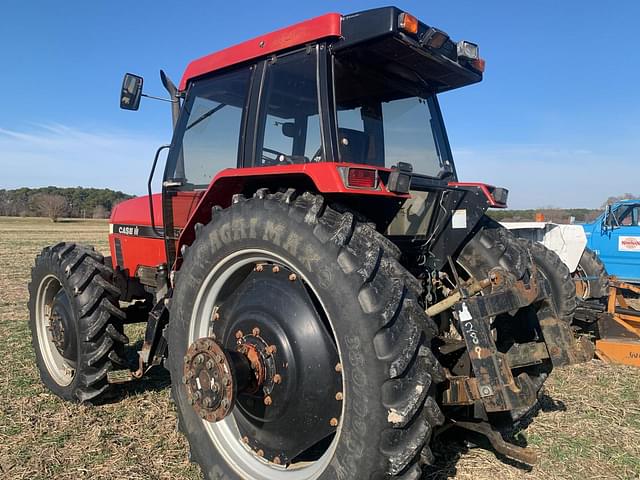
(211, 124)
(289, 120)
(628, 215)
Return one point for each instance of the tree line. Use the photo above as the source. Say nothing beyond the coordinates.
(56, 202)
(558, 215)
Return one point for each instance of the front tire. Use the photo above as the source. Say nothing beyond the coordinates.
(75, 321)
(563, 289)
(590, 277)
(386, 372)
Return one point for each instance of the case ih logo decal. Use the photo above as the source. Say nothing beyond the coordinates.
(629, 244)
(144, 231)
(127, 230)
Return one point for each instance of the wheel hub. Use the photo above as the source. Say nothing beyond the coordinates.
(290, 404)
(213, 377)
(61, 327)
(57, 332)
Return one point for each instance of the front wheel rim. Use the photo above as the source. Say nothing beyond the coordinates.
(225, 435)
(60, 370)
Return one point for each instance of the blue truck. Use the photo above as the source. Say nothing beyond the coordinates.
(615, 238)
(610, 245)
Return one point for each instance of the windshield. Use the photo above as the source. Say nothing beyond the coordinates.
(384, 119)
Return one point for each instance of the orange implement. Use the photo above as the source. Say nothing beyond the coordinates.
(619, 327)
(619, 350)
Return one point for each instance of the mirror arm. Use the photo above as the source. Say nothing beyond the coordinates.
(153, 169)
(158, 98)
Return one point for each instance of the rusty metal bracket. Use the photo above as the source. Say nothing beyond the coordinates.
(499, 390)
(521, 454)
(563, 347)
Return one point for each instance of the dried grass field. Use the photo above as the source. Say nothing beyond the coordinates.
(588, 425)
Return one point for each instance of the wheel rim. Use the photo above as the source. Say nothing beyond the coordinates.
(61, 370)
(583, 288)
(225, 434)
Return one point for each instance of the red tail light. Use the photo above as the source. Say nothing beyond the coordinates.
(362, 178)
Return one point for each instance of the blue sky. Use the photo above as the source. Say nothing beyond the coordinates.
(556, 119)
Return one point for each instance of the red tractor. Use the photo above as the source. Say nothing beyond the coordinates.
(324, 292)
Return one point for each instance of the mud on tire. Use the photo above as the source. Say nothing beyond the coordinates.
(382, 333)
(74, 280)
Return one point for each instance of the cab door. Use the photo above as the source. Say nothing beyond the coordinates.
(618, 244)
(208, 138)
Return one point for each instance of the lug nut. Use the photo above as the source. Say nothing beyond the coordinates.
(185, 380)
(333, 422)
(293, 277)
(203, 414)
(339, 396)
(198, 360)
(255, 332)
(239, 334)
(185, 359)
(245, 439)
(226, 381)
(209, 365)
(338, 367)
(277, 378)
(260, 453)
(224, 403)
(259, 267)
(275, 269)
(207, 402)
(267, 400)
(271, 349)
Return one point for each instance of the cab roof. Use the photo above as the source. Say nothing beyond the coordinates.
(373, 35)
(325, 26)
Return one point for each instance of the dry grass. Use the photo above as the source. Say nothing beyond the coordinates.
(588, 426)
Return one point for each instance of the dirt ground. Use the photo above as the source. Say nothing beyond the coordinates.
(588, 425)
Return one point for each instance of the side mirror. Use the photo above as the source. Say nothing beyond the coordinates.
(608, 221)
(131, 92)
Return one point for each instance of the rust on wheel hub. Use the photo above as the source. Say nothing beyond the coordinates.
(214, 376)
(208, 377)
(56, 327)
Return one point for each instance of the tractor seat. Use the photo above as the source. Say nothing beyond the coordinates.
(353, 145)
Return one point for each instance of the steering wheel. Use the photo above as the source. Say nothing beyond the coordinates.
(278, 157)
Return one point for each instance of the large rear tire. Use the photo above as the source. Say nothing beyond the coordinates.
(75, 321)
(382, 337)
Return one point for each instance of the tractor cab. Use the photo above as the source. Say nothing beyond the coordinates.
(339, 104)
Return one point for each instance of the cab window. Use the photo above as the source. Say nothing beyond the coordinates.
(208, 134)
(628, 215)
(289, 125)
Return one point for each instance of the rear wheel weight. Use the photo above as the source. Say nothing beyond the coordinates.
(381, 424)
(75, 321)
